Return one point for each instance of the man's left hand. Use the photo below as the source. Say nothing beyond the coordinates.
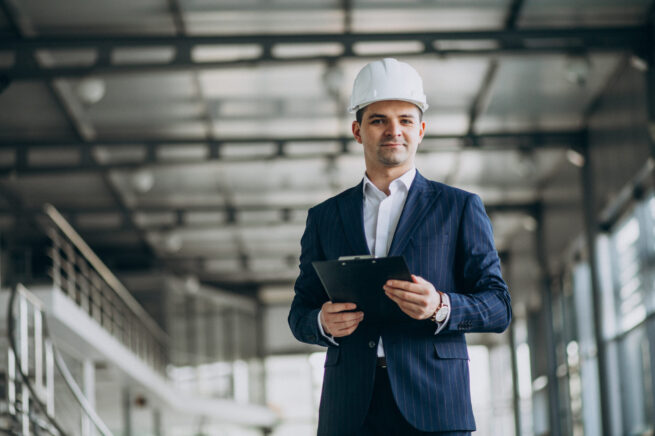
(418, 299)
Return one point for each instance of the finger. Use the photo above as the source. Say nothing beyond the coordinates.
(411, 310)
(418, 288)
(346, 325)
(341, 334)
(409, 297)
(406, 305)
(418, 279)
(346, 332)
(340, 318)
(339, 307)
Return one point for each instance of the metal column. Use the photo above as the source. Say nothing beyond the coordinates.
(89, 386)
(591, 232)
(516, 398)
(157, 423)
(127, 412)
(547, 303)
(649, 54)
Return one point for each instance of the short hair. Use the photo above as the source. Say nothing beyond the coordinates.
(359, 115)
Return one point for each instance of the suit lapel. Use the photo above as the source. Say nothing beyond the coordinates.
(420, 199)
(351, 209)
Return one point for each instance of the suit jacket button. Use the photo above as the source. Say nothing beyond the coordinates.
(371, 344)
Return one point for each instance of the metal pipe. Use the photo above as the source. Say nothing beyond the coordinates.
(79, 396)
(516, 399)
(17, 362)
(547, 304)
(22, 367)
(24, 363)
(49, 377)
(591, 233)
(127, 412)
(38, 350)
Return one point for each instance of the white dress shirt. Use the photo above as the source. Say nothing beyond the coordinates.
(381, 215)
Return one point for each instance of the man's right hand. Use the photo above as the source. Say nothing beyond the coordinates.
(337, 322)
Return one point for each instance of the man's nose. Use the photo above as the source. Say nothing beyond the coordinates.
(393, 128)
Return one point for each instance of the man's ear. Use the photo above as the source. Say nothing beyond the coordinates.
(421, 132)
(356, 132)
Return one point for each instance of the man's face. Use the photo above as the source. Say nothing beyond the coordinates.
(390, 133)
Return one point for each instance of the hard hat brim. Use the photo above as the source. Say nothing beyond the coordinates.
(422, 105)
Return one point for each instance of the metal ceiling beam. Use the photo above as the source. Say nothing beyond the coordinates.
(492, 42)
(483, 95)
(152, 156)
(178, 16)
(493, 140)
(347, 7)
(595, 37)
(72, 214)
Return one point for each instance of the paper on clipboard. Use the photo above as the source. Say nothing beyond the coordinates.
(360, 279)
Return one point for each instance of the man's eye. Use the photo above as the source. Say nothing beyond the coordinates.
(407, 122)
(378, 121)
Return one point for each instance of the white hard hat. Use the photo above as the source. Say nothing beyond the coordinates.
(387, 79)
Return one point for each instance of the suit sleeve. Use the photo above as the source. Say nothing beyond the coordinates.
(482, 303)
(309, 292)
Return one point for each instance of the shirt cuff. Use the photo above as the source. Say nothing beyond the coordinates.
(440, 325)
(325, 335)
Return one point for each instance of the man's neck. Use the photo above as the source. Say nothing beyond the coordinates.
(382, 178)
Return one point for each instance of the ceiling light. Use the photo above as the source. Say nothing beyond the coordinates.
(143, 181)
(639, 63)
(577, 70)
(333, 79)
(529, 223)
(90, 90)
(173, 243)
(192, 284)
(575, 157)
(526, 165)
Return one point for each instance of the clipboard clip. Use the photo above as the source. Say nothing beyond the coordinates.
(361, 256)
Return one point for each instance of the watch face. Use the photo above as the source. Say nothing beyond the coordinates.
(442, 314)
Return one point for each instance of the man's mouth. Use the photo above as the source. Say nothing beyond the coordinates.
(393, 144)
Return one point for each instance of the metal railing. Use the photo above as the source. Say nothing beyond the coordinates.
(33, 364)
(78, 272)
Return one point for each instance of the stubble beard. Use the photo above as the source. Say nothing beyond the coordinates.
(392, 157)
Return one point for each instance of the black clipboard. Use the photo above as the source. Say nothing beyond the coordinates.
(360, 281)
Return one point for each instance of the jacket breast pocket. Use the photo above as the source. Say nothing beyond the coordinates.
(332, 357)
(451, 350)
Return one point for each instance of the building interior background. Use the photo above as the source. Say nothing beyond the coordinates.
(157, 160)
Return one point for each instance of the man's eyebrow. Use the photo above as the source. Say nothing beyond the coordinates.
(409, 115)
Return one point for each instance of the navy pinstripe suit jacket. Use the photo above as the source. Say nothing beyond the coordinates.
(445, 236)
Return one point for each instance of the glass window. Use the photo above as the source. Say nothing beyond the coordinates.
(632, 247)
(635, 381)
(629, 292)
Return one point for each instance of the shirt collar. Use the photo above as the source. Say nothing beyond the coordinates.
(406, 180)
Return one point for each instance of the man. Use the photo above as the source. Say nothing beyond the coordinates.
(399, 378)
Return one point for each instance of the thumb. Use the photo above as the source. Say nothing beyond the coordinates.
(418, 279)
